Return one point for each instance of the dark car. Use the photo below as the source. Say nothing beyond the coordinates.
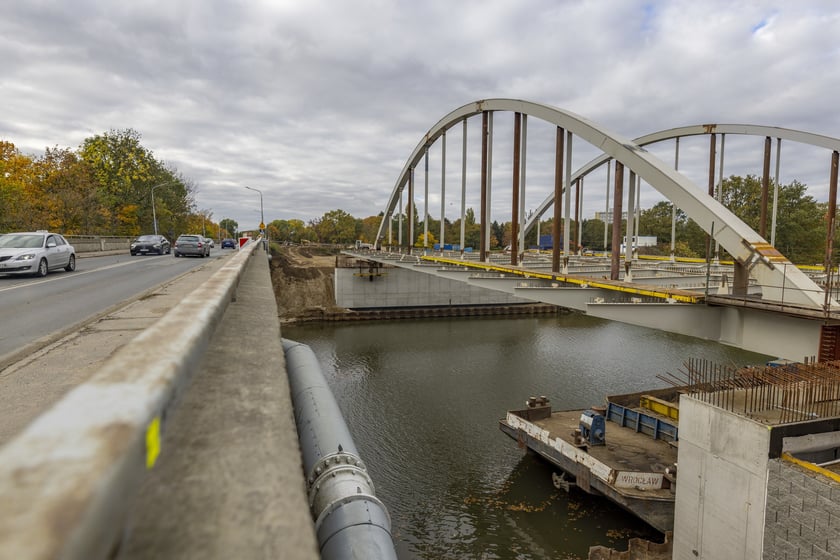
(191, 244)
(147, 244)
(228, 244)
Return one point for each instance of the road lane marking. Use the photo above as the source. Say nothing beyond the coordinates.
(73, 274)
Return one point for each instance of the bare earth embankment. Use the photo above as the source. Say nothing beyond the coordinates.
(303, 280)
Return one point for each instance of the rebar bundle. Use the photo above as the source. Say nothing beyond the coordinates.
(793, 392)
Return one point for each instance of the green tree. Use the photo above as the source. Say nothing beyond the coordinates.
(335, 226)
(657, 221)
(592, 236)
(800, 229)
(230, 226)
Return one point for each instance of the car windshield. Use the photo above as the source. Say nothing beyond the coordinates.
(21, 241)
(147, 238)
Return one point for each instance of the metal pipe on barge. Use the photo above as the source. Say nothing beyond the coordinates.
(350, 521)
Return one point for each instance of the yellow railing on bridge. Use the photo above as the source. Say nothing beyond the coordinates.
(682, 296)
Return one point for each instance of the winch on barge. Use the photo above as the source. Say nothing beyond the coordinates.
(626, 451)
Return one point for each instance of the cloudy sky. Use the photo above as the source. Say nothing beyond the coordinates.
(318, 103)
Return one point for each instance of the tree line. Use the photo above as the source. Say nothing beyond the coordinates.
(102, 188)
(800, 231)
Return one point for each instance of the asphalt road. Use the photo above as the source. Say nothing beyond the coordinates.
(33, 309)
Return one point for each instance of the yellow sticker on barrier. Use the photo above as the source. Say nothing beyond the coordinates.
(152, 442)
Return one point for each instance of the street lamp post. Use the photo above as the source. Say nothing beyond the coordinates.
(154, 214)
(262, 216)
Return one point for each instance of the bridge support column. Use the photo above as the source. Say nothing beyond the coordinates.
(618, 195)
(578, 186)
(482, 251)
(712, 155)
(631, 219)
(426, 202)
(558, 199)
(463, 185)
(514, 212)
(410, 216)
(567, 184)
(832, 215)
(765, 187)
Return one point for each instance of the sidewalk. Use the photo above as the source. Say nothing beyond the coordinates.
(229, 483)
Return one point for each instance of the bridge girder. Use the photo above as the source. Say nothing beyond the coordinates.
(780, 279)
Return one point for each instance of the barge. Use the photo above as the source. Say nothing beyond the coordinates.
(625, 451)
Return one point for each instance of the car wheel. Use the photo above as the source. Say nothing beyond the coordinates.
(160, 251)
(177, 254)
(42, 268)
(71, 264)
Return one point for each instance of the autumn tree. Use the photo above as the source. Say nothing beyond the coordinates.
(423, 242)
(369, 227)
(335, 226)
(69, 196)
(17, 171)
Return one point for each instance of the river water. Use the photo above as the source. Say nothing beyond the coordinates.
(423, 400)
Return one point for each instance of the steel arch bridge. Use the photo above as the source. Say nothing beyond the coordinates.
(753, 255)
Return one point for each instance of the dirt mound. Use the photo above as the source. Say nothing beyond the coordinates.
(303, 281)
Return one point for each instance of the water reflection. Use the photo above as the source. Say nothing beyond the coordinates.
(423, 399)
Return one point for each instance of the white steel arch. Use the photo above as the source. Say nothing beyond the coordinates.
(799, 136)
(773, 271)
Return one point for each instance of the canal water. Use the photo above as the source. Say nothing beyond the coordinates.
(423, 400)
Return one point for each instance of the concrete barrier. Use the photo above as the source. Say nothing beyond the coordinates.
(98, 243)
(67, 482)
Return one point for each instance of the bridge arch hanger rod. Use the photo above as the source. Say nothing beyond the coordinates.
(782, 280)
(789, 134)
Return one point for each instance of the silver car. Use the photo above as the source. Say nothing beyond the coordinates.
(191, 244)
(35, 252)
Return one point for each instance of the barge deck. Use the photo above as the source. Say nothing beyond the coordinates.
(630, 461)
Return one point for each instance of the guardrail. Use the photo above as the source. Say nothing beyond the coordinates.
(67, 481)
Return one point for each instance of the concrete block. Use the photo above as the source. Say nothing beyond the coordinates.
(804, 547)
(774, 466)
(780, 484)
(784, 549)
(835, 491)
(808, 495)
(791, 500)
(820, 554)
(828, 506)
(833, 546)
(821, 521)
(806, 519)
(794, 475)
(823, 490)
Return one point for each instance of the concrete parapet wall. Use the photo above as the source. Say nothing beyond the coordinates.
(98, 243)
(398, 287)
(802, 519)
